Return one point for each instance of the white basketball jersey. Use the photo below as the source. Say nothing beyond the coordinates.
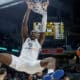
(30, 49)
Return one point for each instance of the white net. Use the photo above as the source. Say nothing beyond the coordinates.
(37, 1)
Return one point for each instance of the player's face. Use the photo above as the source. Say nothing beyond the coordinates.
(34, 35)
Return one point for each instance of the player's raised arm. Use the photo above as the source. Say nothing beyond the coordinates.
(24, 31)
(45, 5)
(44, 23)
(43, 29)
(42, 38)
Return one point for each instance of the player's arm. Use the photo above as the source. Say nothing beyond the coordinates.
(45, 5)
(25, 23)
(44, 23)
(42, 37)
(43, 29)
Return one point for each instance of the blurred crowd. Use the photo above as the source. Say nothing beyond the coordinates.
(7, 73)
(70, 64)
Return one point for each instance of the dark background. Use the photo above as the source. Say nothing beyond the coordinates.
(67, 11)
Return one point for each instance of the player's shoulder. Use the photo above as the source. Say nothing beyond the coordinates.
(28, 39)
(38, 43)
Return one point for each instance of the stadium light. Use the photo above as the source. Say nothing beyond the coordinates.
(5, 1)
(3, 48)
(15, 50)
(9, 3)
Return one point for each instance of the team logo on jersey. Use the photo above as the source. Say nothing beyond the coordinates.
(28, 40)
(30, 45)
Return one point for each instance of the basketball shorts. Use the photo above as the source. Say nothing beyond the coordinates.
(24, 65)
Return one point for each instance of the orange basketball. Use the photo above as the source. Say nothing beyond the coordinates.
(78, 52)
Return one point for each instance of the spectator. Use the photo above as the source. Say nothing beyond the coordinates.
(78, 54)
(30, 77)
(66, 78)
(3, 73)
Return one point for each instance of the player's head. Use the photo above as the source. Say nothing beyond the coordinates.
(2, 70)
(34, 34)
(3, 73)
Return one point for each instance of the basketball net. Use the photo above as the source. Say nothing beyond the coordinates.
(38, 6)
(38, 1)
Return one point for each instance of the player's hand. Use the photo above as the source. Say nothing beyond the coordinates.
(45, 4)
(29, 4)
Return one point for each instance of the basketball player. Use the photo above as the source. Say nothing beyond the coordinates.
(27, 61)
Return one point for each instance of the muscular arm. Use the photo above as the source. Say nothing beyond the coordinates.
(44, 22)
(43, 29)
(25, 25)
(42, 38)
(25, 21)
